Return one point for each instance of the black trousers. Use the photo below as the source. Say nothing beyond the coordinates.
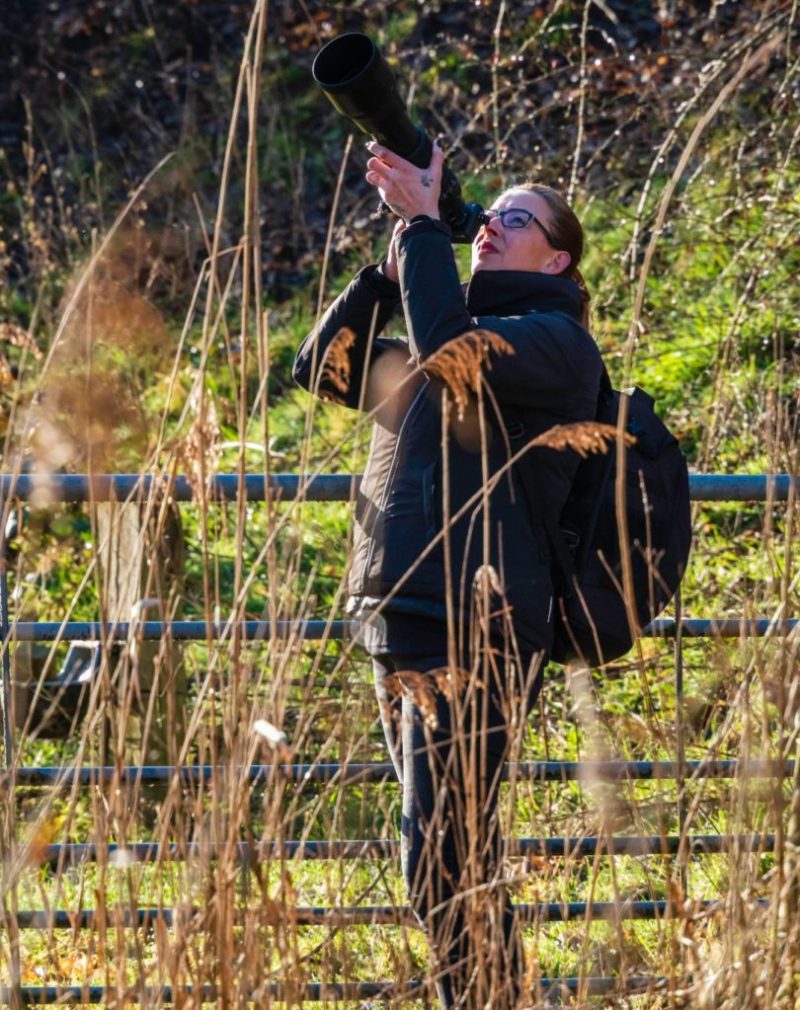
(449, 742)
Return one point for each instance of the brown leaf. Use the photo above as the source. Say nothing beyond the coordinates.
(10, 333)
(336, 360)
(424, 687)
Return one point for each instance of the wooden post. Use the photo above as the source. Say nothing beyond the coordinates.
(140, 554)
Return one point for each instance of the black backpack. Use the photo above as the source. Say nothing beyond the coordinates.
(592, 621)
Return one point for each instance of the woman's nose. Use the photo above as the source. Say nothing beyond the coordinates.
(490, 219)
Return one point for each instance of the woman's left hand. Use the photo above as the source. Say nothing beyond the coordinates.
(404, 188)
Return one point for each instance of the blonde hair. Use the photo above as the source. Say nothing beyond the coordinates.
(567, 233)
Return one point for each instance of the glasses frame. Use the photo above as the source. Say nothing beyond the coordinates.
(529, 215)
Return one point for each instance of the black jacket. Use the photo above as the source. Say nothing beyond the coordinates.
(551, 378)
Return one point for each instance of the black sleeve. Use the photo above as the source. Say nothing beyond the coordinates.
(553, 356)
(364, 308)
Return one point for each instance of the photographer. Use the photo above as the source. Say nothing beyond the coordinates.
(450, 579)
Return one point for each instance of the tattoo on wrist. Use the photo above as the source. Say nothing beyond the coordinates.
(427, 181)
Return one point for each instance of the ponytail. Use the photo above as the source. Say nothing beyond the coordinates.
(575, 275)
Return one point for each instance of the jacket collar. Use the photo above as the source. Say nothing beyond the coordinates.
(509, 291)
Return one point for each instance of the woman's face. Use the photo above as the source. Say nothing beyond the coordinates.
(498, 247)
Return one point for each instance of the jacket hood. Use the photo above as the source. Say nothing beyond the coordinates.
(512, 291)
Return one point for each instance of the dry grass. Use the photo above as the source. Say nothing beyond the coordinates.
(460, 363)
(240, 918)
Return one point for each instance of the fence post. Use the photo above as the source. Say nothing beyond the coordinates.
(790, 903)
(680, 739)
(8, 808)
(5, 670)
(140, 555)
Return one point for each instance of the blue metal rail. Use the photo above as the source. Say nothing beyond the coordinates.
(76, 853)
(362, 915)
(343, 487)
(323, 487)
(314, 631)
(157, 996)
(383, 771)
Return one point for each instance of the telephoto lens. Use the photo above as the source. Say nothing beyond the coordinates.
(360, 84)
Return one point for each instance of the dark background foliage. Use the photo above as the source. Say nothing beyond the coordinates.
(93, 94)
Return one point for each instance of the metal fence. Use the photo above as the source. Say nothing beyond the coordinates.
(325, 487)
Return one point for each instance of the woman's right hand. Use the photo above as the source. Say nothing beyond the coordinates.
(390, 263)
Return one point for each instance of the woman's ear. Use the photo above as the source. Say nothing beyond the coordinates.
(558, 263)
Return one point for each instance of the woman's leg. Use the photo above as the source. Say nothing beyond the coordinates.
(451, 843)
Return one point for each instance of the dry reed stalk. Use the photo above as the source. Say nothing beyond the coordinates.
(291, 688)
(584, 437)
(309, 420)
(197, 453)
(459, 362)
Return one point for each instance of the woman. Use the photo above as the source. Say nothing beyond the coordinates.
(450, 575)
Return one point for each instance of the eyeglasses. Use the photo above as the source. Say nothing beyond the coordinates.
(518, 217)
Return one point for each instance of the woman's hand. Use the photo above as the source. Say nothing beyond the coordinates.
(404, 188)
(389, 265)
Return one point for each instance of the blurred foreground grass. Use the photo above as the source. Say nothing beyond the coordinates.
(186, 372)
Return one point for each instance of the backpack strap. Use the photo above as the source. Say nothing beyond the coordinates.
(544, 523)
(542, 518)
(606, 389)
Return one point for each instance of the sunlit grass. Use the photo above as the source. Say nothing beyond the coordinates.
(717, 348)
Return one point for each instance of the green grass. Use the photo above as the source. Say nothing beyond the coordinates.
(718, 351)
